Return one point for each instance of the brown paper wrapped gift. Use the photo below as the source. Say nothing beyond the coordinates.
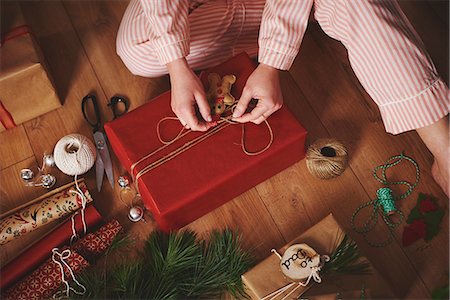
(26, 87)
(266, 277)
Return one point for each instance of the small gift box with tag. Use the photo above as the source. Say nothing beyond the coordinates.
(302, 268)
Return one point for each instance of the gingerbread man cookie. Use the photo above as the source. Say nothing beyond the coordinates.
(219, 93)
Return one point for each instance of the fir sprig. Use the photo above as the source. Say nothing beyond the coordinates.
(174, 266)
(346, 259)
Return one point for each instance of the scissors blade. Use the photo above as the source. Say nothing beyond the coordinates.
(102, 147)
(99, 171)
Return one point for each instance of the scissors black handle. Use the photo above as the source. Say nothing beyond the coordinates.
(115, 104)
(84, 103)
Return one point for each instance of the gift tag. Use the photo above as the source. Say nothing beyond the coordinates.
(299, 261)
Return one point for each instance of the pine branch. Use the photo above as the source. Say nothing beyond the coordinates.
(175, 266)
(346, 259)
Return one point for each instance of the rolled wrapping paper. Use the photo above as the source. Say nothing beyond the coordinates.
(94, 244)
(43, 282)
(49, 209)
(31, 258)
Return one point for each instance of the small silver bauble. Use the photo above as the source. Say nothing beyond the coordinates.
(123, 181)
(48, 180)
(26, 174)
(49, 160)
(136, 214)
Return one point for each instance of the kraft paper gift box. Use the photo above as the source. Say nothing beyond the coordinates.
(266, 277)
(213, 171)
(26, 87)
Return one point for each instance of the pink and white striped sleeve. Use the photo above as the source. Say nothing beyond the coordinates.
(283, 26)
(169, 28)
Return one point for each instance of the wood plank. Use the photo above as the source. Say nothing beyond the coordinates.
(248, 215)
(347, 118)
(97, 23)
(13, 190)
(44, 132)
(14, 147)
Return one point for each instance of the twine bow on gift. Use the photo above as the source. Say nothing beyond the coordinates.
(60, 258)
(223, 123)
(384, 204)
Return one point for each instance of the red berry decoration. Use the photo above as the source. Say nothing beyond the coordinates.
(427, 205)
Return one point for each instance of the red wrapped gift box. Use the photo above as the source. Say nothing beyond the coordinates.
(213, 171)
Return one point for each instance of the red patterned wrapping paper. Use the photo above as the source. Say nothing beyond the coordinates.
(212, 172)
(38, 252)
(43, 282)
(38, 214)
(94, 244)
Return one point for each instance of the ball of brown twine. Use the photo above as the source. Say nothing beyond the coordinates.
(326, 158)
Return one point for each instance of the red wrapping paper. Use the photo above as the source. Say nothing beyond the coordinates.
(37, 253)
(94, 244)
(45, 280)
(212, 172)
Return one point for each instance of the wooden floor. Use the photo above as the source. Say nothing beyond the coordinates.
(78, 40)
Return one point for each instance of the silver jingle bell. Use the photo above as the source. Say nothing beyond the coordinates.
(26, 174)
(123, 181)
(136, 214)
(48, 180)
(49, 160)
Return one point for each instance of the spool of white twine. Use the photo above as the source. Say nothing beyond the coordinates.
(74, 154)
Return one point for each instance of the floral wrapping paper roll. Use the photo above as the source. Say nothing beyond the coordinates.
(51, 208)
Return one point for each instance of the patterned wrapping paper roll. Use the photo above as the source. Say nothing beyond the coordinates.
(94, 244)
(46, 279)
(43, 282)
(31, 258)
(51, 208)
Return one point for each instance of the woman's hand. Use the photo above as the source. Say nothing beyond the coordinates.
(263, 85)
(187, 94)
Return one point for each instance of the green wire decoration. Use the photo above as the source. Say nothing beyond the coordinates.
(384, 204)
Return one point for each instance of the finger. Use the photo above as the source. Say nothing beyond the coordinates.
(257, 112)
(243, 102)
(183, 122)
(203, 106)
(259, 120)
(192, 120)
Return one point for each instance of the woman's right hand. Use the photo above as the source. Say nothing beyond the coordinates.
(187, 94)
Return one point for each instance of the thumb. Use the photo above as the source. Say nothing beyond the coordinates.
(203, 106)
(243, 102)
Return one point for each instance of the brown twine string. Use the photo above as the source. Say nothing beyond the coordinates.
(222, 124)
(326, 158)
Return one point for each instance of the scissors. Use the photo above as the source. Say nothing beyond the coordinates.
(103, 163)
